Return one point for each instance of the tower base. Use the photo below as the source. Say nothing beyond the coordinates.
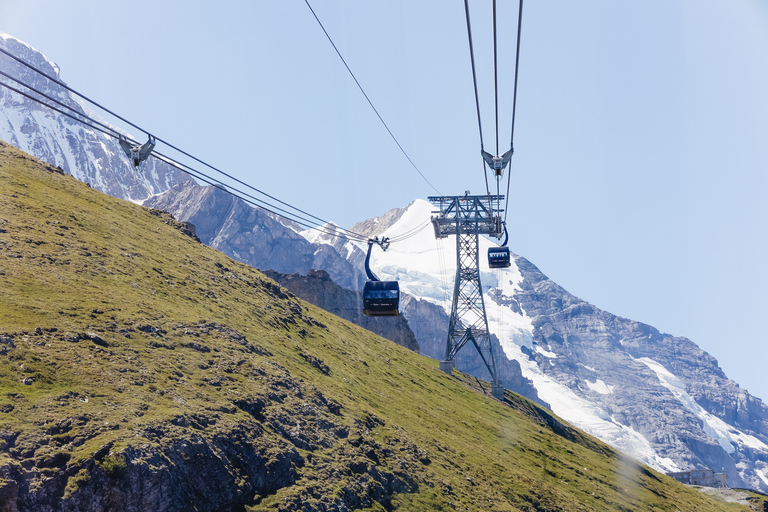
(497, 390)
(447, 366)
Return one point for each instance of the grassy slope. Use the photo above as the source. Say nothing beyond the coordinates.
(205, 333)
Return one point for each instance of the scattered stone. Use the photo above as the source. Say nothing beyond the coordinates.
(98, 340)
(27, 381)
(7, 341)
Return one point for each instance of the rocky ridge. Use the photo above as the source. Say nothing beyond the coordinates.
(252, 235)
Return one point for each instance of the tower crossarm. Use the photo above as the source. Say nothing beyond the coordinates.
(467, 214)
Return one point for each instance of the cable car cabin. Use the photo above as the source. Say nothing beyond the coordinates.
(498, 257)
(381, 298)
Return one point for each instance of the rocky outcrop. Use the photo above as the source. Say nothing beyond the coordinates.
(318, 288)
(203, 460)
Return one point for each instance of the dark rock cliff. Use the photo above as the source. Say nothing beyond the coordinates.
(318, 288)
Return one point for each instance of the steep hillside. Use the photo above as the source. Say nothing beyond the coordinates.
(142, 370)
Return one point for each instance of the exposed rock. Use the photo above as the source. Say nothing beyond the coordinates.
(252, 235)
(588, 344)
(318, 288)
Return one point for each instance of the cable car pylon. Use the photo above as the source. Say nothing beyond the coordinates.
(468, 217)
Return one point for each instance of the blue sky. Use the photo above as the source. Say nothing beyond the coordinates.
(639, 179)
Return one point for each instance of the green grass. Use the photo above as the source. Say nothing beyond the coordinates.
(138, 338)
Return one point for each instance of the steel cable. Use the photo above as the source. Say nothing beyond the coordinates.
(474, 83)
(367, 98)
(186, 169)
(62, 84)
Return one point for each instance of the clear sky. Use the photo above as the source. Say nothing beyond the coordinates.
(640, 174)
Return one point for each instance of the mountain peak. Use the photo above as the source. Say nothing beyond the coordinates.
(29, 54)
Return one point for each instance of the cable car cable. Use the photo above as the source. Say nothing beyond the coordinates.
(186, 169)
(62, 84)
(367, 98)
(474, 82)
(514, 101)
(495, 79)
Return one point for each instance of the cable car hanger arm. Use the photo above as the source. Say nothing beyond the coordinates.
(497, 163)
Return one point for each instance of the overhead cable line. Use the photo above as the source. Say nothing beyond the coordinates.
(474, 82)
(111, 132)
(499, 162)
(495, 78)
(62, 84)
(514, 101)
(367, 98)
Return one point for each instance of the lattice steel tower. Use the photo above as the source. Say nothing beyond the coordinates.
(468, 217)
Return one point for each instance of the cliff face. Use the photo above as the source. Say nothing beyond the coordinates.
(319, 289)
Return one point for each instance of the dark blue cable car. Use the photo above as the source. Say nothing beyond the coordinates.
(380, 298)
(498, 257)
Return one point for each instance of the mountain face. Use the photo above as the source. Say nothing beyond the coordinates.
(87, 154)
(142, 370)
(660, 387)
(655, 396)
(252, 235)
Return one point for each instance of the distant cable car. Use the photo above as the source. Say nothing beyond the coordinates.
(137, 153)
(498, 257)
(380, 298)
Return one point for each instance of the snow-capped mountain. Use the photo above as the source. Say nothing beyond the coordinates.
(87, 154)
(654, 396)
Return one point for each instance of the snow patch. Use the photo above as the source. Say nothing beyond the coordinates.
(586, 415)
(600, 387)
(545, 353)
(714, 427)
